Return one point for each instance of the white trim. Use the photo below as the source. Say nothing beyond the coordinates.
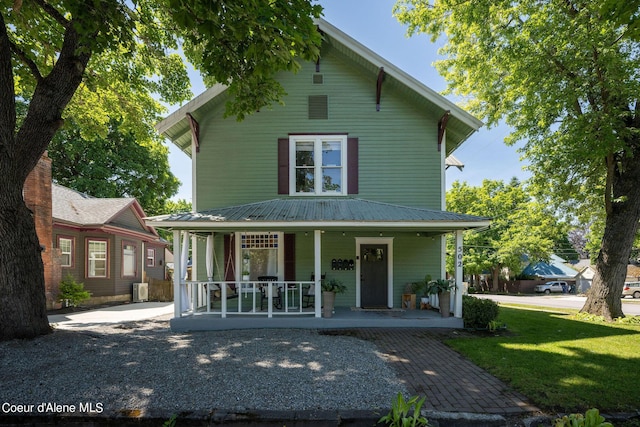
(443, 174)
(194, 177)
(379, 225)
(402, 76)
(457, 306)
(191, 106)
(317, 141)
(238, 249)
(374, 241)
(177, 267)
(317, 269)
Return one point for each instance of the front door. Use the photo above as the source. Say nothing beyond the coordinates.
(373, 275)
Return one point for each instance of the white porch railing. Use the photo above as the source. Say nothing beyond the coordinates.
(249, 298)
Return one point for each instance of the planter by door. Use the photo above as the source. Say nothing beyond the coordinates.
(445, 303)
(327, 303)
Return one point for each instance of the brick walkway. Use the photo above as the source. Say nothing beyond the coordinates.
(450, 382)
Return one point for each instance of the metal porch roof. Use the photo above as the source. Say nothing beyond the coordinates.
(319, 212)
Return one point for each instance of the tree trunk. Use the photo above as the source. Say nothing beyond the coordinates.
(22, 290)
(23, 311)
(603, 299)
(495, 276)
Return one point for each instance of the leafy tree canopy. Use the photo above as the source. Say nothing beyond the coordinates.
(565, 76)
(98, 62)
(117, 165)
(520, 226)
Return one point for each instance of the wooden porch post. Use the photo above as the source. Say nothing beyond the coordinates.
(457, 308)
(177, 301)
(317, 270)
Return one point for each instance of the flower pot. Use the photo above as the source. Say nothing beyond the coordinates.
(328, 299)
(444, 299)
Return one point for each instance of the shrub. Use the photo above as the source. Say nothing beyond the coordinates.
(591, 418)
(73, 291)
(400, 414)
(478, 313)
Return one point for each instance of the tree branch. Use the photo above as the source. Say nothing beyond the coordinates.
(7, 93)
(53, 12)
(26, 60)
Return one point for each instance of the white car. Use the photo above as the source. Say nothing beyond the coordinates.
(547, 288)
(631, 288)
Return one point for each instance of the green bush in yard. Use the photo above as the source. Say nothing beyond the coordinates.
(73, 291)
(477, 312)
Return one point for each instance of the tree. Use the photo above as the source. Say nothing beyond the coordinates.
(565, 77)
(100, 60)
(118, 165)
(519, 226)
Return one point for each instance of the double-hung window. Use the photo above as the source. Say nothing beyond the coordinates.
(65, 245)
(318, 164)
(96, 258)
(151, 257)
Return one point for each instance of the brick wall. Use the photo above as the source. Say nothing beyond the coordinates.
(37, 196)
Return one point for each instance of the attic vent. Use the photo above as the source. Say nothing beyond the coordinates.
(318, 107)
(318, 79)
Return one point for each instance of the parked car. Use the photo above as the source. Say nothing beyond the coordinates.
(631, 288)
(547, 288)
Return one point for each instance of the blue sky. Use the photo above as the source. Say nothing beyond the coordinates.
(371, 23)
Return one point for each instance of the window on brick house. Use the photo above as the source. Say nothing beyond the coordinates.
(97, 258)
(65, 245)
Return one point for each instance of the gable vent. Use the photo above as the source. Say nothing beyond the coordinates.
(318, 79)
(318, 107)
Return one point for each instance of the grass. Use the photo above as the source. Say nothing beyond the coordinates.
(560, 361)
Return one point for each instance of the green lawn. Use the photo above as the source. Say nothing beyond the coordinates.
(561, 363)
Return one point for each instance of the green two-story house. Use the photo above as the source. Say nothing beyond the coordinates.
(344, 181)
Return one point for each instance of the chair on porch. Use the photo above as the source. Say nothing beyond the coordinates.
(277, 295)
(216, 294)
(309, 293)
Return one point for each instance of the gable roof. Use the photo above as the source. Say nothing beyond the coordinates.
(554, 269)
(321, 212)
(459, 126)
(79, 209)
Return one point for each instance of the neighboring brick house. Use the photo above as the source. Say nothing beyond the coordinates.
(101, 242)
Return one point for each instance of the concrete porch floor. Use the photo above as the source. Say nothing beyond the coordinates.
(344, 317)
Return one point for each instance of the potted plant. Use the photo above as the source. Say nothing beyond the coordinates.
(245, 266)
(330, 288)
(409, 296)
(441, 287)
(421, 288)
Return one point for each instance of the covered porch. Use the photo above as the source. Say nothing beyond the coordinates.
(262, 264)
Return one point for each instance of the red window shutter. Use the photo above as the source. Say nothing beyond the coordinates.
(283, 165)
(229, 258)
(352, 165)
(289, 257)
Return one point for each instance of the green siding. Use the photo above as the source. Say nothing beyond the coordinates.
(413, 258)
(399, 163)
(398, 158)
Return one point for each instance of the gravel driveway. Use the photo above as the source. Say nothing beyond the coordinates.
(138, 368)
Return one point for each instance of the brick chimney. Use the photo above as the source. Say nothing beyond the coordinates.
(38, 198)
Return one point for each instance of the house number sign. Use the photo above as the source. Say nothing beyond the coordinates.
(459, 256)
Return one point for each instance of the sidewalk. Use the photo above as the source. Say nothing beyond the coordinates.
(108, 315)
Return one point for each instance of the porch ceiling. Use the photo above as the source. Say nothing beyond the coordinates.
(320, 213)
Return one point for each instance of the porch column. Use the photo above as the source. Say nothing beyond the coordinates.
(457, 308)
(317, 271)
(184, 266)
(177, 302)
